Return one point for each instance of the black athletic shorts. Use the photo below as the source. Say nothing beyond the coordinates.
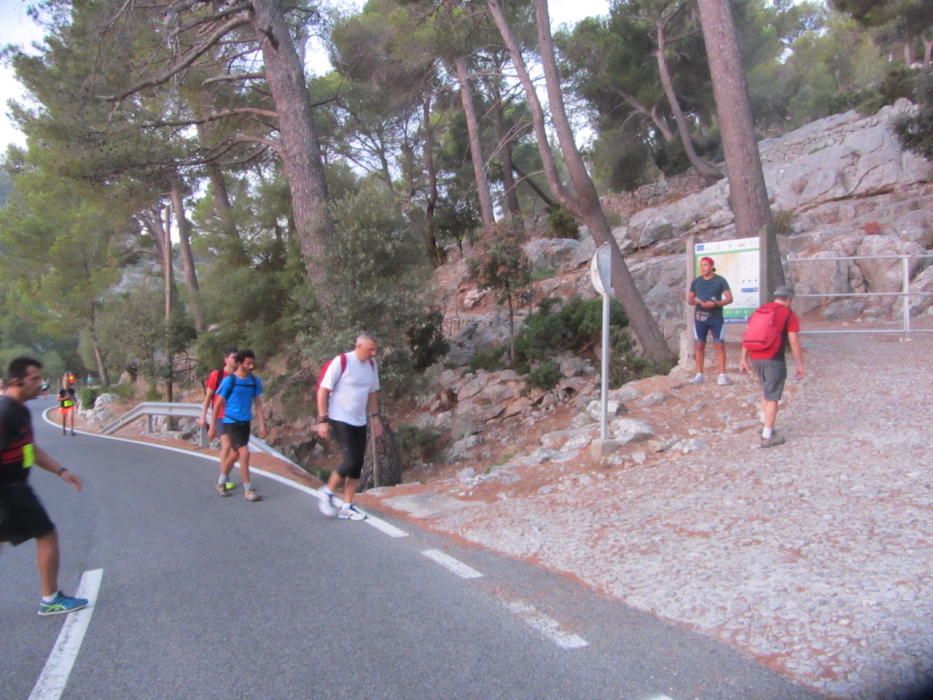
(238, 434)
(22, 516)
(352, 441)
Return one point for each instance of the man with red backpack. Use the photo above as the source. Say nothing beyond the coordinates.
(347, 399)
(211, 385)
(771, 328)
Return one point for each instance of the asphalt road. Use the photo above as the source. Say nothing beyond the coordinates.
(209, 597)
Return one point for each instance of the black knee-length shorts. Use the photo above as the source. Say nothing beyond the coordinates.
(352, 441)
(22, 515)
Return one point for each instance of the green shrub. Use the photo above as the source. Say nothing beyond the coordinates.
(153, 393)
(562, 224)
(916, 133)
(489, 360)
(87, 396)
(418, 444)
(124, 391)
(575, 327)
(783, 221)
(544, 375)
(426, 341)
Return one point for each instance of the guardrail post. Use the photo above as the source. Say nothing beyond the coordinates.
(906, 267)
(202, 436)
(149, 426)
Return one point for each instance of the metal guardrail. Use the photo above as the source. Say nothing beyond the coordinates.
(150, 409)
(905, 292)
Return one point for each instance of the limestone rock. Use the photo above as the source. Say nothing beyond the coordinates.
(614, 408)
(631, 430)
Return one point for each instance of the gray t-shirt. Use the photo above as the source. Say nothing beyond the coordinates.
(710, 290)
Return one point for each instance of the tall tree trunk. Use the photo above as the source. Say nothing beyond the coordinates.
(168, 276)
(221, 198)
(748, 194)
(704, 168)
(187, 257)
(430, 228)
(95, 346)
(505, 154)
(476, 149)
(927, 51)
(300, 149)
(582, 201)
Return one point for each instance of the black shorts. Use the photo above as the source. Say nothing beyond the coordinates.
(220, 429)
(352, 441)
(22, 516)
(238, 434)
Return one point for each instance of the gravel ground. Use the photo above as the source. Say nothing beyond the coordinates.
(814, 557)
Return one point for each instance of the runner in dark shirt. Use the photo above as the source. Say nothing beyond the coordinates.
(22, 516)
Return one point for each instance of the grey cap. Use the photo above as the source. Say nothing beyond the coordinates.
(785, 291)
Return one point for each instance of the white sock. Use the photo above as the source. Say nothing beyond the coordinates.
(49, 598)
(247, 485)
(766, 433)
(222, 479)
(326, 489)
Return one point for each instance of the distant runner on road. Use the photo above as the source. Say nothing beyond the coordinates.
(22, 516)
(211, 386)
(237, 396)
(709, 293)
(66, 408)
(346, 398)
(779, 327)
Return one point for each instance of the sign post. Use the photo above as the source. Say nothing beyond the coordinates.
(601, 276)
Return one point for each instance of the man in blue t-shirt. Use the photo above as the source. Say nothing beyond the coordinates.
(709, 293)
(239, 393)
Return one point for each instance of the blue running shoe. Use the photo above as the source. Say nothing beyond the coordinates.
(62, 604)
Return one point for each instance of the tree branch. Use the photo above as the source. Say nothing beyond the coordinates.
(194, 54)
(233, 76)
(232, 10)
(214, 116)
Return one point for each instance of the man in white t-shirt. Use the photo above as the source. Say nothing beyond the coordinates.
(346, 399)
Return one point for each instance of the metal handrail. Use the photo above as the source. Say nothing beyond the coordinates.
(149, 409)
(905, 292)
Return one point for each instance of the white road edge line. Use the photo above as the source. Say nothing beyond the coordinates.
(455, 566)
(377, 523)
(546, 626)
(54, 676)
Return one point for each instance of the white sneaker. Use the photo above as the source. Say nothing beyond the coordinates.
(723, 380)
(697, 379)
(348, 511)
(325, 502)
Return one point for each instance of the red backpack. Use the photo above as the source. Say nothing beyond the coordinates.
(762, 332)
(343, 366)
(220, 377)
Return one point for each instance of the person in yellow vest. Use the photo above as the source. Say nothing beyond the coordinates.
(67, 405)
(69, 379)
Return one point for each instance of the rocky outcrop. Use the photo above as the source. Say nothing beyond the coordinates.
(843, 187)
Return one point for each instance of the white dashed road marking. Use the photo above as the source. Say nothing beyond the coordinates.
(55, 674)
(455, 566)
(546, 626)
